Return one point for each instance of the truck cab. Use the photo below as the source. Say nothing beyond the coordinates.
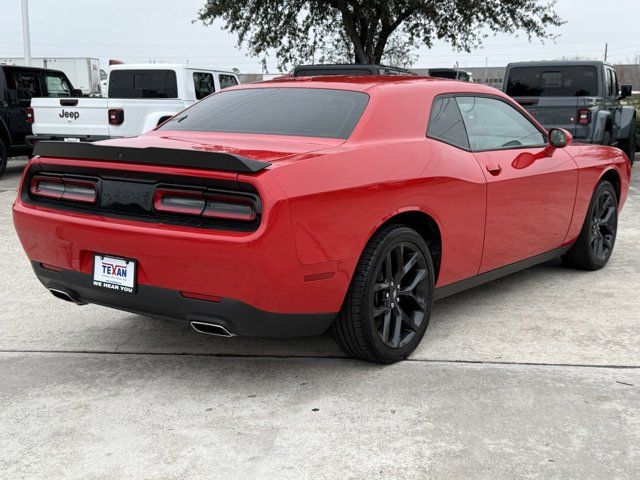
(583, 97)
(140, 97)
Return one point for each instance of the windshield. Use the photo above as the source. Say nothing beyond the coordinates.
(308, 112)
(551, 81)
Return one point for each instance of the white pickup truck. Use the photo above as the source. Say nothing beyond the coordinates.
(140, 97)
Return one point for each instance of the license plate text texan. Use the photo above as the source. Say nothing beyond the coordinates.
(114, 273)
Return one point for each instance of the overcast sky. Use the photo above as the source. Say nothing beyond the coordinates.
(162, 30)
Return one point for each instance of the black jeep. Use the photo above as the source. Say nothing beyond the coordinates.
(18, 85)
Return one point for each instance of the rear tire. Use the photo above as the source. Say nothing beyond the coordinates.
(4, 157)
(388, 305)
(606, 138)
(595, 243)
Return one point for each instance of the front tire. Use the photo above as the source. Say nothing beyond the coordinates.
(629, 145)
(4, 157)
(595, 243)
(388, 305)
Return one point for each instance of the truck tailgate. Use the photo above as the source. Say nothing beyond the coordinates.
(70, 116)
(551, 112)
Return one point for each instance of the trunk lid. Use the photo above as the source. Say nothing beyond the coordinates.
(274, 149)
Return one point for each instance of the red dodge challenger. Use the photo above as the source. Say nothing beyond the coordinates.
(290, 207)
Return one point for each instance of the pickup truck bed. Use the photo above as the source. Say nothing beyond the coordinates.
(140, 98)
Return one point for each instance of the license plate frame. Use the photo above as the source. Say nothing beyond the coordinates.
(118, 274)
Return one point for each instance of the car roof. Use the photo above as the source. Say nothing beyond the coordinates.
(165, 66)
(558, 63)
(363, 83)
(38, 69)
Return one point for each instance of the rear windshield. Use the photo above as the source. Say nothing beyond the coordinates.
(570, 81)
(308, 112)
(143, 84)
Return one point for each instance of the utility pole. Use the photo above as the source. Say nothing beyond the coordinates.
(486, 69)
(606, 51)
(26, 38)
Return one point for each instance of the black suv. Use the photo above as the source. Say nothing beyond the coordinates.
(18, 85)
(582, 97)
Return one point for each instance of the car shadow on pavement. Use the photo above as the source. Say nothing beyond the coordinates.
(153, 335)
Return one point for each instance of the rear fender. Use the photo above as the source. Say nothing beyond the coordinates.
(600, 125)
(627, 117)
(153, 118)
(5, 136)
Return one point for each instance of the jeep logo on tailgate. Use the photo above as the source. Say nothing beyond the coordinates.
(68, 114)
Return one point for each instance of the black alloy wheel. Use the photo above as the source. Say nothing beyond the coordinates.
(399, 299)
(387, 308)
(594, 245)
(604, 223)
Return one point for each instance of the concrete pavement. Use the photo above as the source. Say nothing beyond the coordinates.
(88, 392)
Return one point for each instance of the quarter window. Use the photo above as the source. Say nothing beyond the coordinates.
(445, 123)
(203, 84)
(227, 81)
(492, 124)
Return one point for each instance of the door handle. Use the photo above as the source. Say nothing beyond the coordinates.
(494, 168)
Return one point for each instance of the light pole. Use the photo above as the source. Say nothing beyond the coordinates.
(26, 39)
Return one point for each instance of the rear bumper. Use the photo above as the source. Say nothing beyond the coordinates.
(33, 139)
(237, 317)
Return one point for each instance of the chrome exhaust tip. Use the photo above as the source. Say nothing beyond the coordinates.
(211, 329)
(65, 295)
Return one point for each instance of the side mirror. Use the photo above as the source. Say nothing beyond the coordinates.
(76, 92)
(559, 138)
(625, 91)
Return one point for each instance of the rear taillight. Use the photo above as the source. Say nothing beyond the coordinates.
(584, 116)
(214, 205)
(116, 116)
(30, 117)
(61, 188)
(181, 202)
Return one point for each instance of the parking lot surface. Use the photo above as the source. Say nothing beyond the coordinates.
(536, 375)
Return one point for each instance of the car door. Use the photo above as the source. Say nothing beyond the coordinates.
(531, 187)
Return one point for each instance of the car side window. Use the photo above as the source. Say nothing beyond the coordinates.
(609, 83)
(227, 81)
(493, 124)
(57, 86)
(203, 84)
(445, 123)
(27, 86)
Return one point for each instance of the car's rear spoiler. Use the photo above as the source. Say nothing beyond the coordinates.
(170, 157)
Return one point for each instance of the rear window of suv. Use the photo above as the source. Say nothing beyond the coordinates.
(569, 81)
(308, 112)
(143, 84)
